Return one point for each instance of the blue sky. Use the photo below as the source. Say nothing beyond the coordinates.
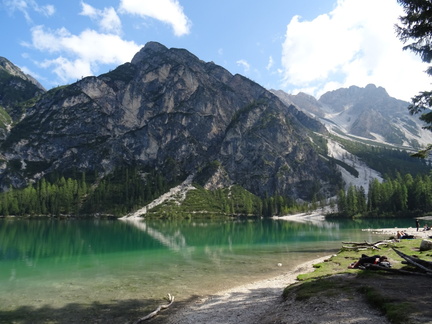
(312, 46)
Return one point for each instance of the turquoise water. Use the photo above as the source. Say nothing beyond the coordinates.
(63, 262)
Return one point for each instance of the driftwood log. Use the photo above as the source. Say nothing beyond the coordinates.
(170, 299)
(420, 264)
(357, 246)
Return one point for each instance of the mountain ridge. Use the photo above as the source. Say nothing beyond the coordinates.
(171, 111)
(367, 113)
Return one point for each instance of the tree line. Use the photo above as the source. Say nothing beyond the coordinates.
(117, 194)
(128, 189)
(402, 195)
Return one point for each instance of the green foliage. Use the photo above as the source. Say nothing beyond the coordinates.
(396, 312)
(44, 198)
(313, 287)
(328, 279)
(415, 31)
(228, 201)
(279, 205)
(5, 119)
(353, 171)
(399, 196)
(320, 143)
(124, 190)
(15, 89)
(387, 161)
(128, 189)
(121, 192)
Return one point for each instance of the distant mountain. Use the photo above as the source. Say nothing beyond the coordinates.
(368, 113)
(170, 111)
(16, 88)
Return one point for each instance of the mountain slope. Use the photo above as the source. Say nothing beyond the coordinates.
(368, 113)
(170, 111)
(16, 87)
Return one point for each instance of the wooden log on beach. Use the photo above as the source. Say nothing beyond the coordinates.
(157, 310)
(365, 245)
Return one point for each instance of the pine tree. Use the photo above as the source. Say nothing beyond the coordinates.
(415, 31)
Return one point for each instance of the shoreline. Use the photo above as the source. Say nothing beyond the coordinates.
(241, 304)
(244, 304)
(408, 230)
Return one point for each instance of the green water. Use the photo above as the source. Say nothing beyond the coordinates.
(55, 263)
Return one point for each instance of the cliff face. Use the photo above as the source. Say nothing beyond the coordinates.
(171, 111)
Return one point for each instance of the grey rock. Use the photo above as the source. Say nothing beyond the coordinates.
(170, 111)
(425, 245)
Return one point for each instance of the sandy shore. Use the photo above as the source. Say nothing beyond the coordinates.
(243, 304)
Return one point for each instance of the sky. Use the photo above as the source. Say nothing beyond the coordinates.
(313, 46)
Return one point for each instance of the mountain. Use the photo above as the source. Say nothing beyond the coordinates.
(16, 88)
(168, 110)
(364, 113)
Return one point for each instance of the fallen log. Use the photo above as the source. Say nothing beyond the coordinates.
(365, 245)
(413, 261)
(157, 310)
(398, 271)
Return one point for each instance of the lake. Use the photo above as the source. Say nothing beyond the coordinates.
(58, 264)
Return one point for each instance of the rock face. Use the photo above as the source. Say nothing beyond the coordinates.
(171, 111)
(367, 112)
(16, 87)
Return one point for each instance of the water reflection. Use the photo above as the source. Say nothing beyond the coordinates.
(175, 242)
(89, 260)
(32, 240)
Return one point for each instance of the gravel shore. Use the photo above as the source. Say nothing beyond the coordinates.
(408, 230)
(261, 301)
(243, 304)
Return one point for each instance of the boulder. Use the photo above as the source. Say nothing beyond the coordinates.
(426, 245)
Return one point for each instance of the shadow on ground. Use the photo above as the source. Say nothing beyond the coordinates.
(126, 311)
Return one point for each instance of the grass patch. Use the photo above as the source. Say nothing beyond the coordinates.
(339, 262)
(396, 312)
(311, 288)
(397, 296)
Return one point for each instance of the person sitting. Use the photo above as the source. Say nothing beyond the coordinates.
(426, 227)
(366, 260)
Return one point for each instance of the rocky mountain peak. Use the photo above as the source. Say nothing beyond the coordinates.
(10, 68)
(368, 112)
(170, 111)
(149, 50)
(155, 53)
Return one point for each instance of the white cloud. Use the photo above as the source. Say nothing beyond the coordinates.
(80, 55)
(107, 18)
(167, 11)
(270, 63)
(244, 64)
(26, 6)
(47, 10)
(355, 44)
